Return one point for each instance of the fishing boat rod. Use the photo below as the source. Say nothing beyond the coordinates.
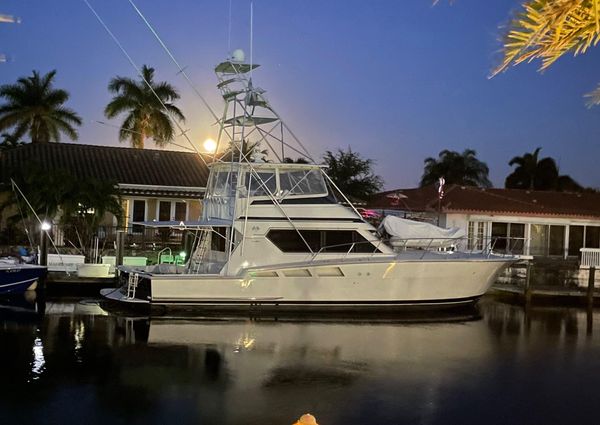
(140, 133)
(181, 70)
(16, 186)
(134, 65)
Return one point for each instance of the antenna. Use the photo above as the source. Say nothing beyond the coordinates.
(251, 34)
(229, 29)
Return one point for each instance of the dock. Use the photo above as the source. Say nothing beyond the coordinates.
(60, 283)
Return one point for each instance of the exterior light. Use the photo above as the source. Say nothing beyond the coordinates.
(210, 145)
(46, 226)
(182, 254)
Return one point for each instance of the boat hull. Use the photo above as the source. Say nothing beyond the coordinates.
(326, 286)
(19, 278)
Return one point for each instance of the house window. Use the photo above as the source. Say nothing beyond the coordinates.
(516, 242)
(172, 210)
(180, 211)
(508, 237)
(499, 236)
(476, 234)
(592, 237)
(575, 240)
(138, 213)
(471, 234)
(539, 239)
(325, 240)
(164, 211)
(556, 244)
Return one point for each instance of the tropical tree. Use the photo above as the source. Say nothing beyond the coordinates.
(79, 204)
(534, 173)
(9, 141)
(547, 29)
(145, 115)
(249, 151)
(456, 168)
(34, 107)
(352, 174)
(299, 160)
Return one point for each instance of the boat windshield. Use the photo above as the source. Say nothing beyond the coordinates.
(258, 183)
(301, 182)
(266, 180)
(223, 183)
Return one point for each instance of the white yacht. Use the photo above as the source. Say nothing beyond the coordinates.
(279, 235)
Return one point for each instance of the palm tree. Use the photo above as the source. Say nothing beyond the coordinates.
(146, 115)
(456, 168)
(82, 203)
(524, 175)
(352, 174)
(547, 29)
(538, 174)
(33, 106)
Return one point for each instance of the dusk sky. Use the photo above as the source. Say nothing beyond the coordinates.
(396, 80)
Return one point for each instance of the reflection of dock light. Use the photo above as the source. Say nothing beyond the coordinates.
(46, 226)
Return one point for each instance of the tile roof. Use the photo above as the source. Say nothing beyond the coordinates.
(468, 199)
(123, 165)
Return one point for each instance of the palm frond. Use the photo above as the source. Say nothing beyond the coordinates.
(547, 29)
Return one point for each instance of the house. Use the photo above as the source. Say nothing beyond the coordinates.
(524, 222)
(154, 184)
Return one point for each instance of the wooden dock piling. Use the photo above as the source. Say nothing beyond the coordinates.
(43, 248)
(528, 284)
(120, 247)
(590, 288)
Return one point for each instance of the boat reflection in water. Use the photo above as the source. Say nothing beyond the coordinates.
(272, 370)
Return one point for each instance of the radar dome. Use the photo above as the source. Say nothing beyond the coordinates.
(238, 55)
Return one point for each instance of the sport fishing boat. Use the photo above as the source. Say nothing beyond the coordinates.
(18, 278)
(280, 235)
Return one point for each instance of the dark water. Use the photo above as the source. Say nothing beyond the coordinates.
(499, 364)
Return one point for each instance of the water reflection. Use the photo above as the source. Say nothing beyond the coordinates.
(77, 362)
(37, 367)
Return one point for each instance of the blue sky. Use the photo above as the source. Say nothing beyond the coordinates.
(397, 81)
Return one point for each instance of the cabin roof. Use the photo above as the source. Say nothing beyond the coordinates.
(137, 171)
(474, 200)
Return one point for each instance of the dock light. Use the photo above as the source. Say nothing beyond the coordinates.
(210, 145)
(182, 254)
(46, 226)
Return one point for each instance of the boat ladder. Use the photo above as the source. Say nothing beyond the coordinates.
(201, 249)
(132, 283)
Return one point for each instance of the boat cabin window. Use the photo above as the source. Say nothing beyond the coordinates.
(223, 183)
(259, 182)
(302, 182)
(320, 240)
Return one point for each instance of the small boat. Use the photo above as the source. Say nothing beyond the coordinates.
(280, 235)
(18, 278)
